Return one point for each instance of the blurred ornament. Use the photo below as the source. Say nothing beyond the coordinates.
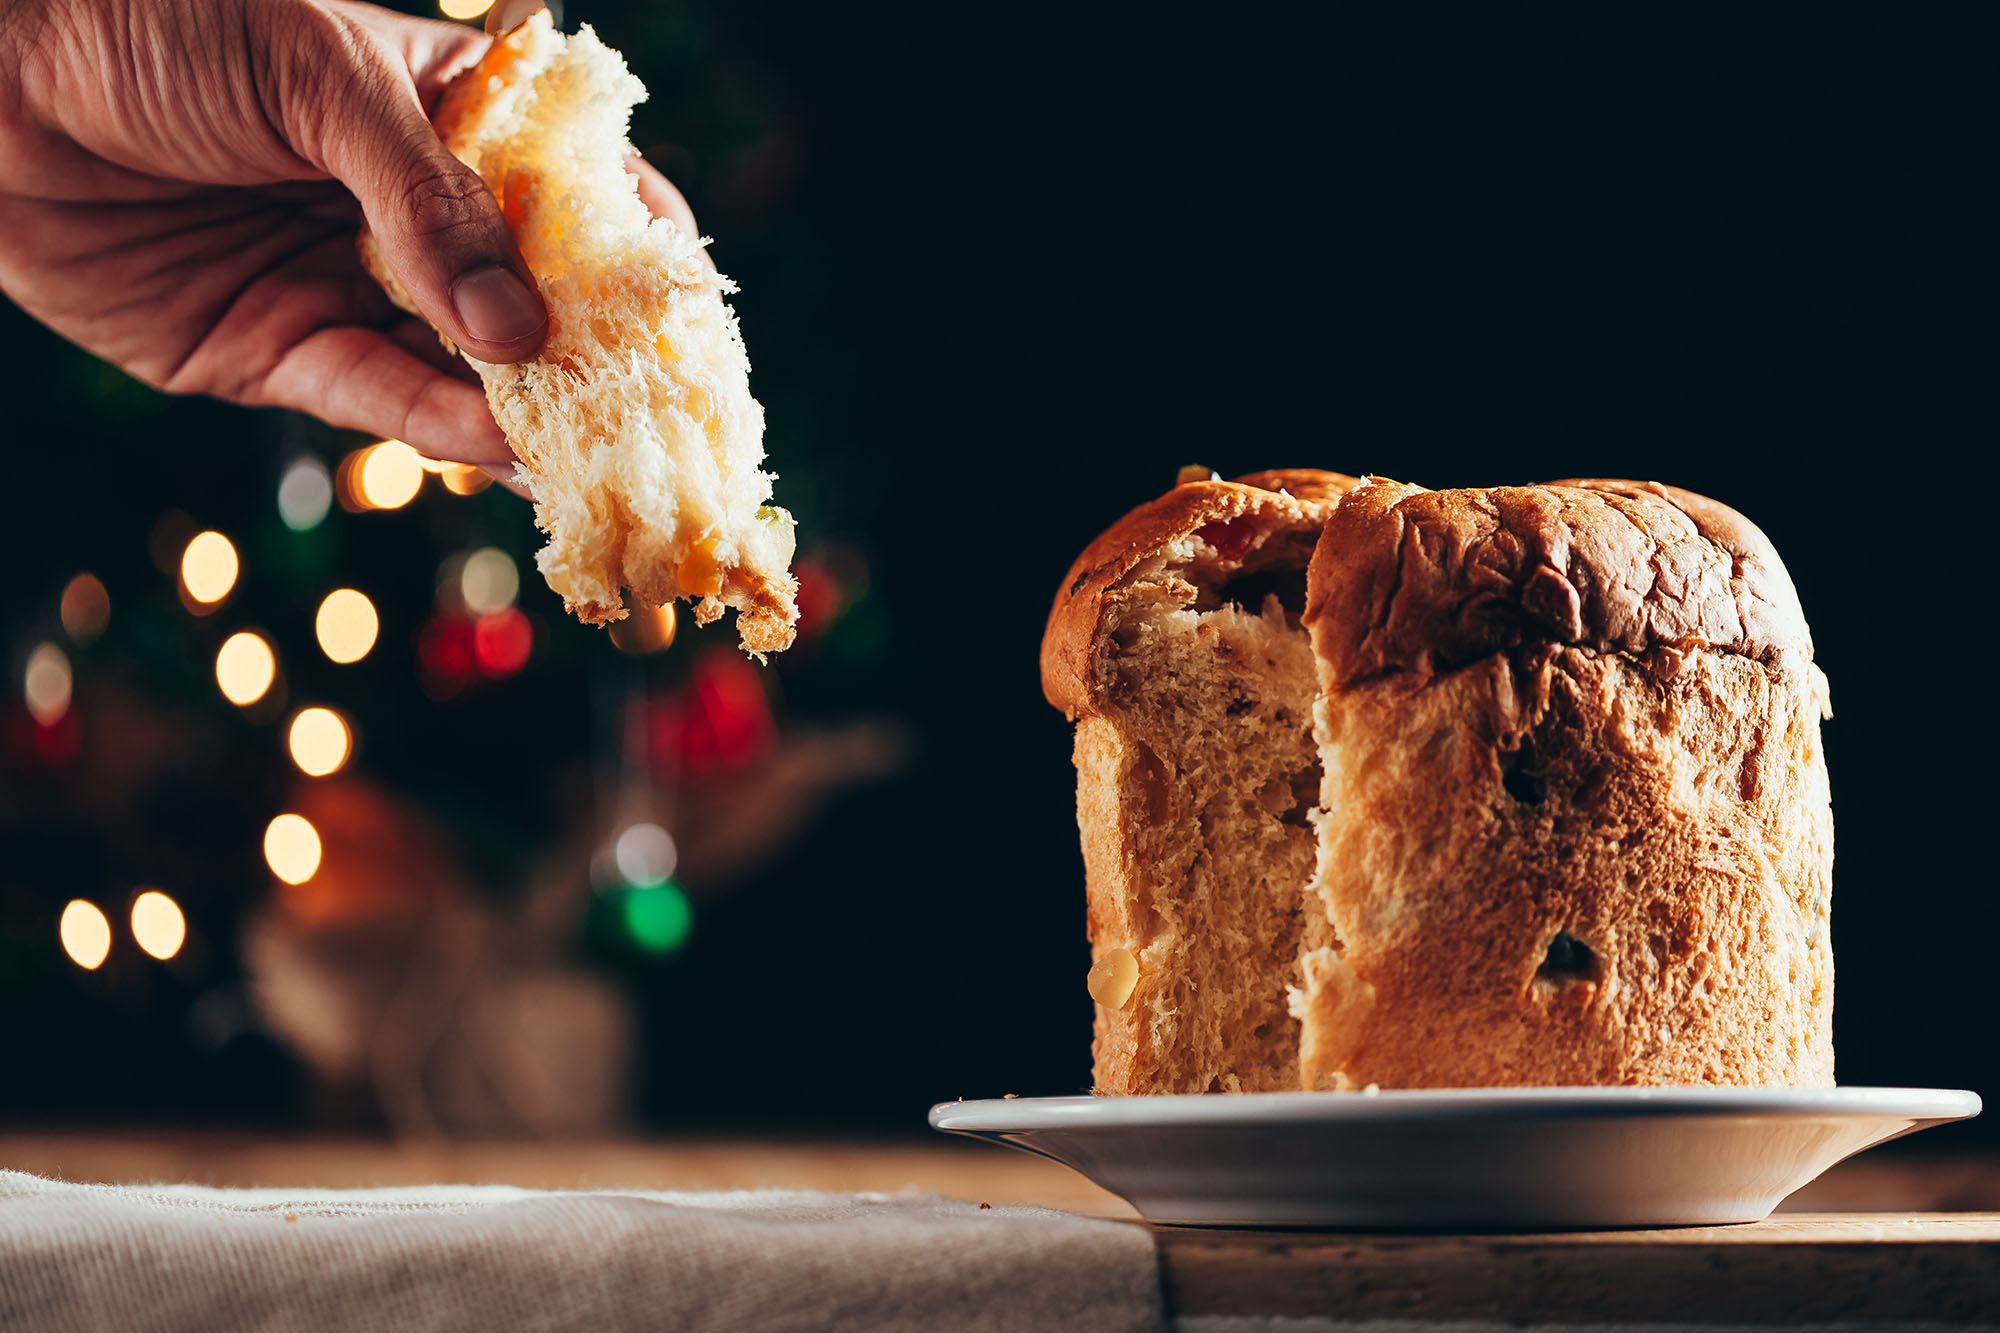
(444, 655)
(720, 720)
(501, 642)
(46, 684)
(399, 984)
(86, 608)
(245, 667)
(208, 570)
(85, 934)
(463, 9)
(305, 493)
(346, 625)
(157, 924)
(645, 629)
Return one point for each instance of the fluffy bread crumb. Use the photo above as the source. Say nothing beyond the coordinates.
(634, 426)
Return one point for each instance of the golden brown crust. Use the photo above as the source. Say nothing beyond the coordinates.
(1576, 825)
(1667, 819)
(1073, 643)
(1407, 579)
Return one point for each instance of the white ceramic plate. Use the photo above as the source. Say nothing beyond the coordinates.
(1459, 1158)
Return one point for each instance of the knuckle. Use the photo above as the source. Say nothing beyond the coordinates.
(438, 202)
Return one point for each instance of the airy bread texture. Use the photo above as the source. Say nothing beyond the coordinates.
(634, 426)
(1177, 646)
(1573, 824)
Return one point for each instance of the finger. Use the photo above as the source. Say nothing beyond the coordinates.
(361, 379)
(510, 478)
(660, 195)
(434, 50)
(421, 341)
(507, 15)
(438, 226)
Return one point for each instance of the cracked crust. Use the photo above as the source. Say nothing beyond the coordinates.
(1075, 646)
(1408, 579)
(1575, 822)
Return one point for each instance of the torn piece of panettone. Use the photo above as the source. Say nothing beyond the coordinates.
(634, 425)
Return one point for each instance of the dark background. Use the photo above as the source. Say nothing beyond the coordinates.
(1006, 269)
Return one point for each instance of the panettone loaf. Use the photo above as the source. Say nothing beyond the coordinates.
(1571, 824)
(1575, 826)
(1175, 643)
(634, 425)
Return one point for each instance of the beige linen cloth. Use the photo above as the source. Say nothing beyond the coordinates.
(491, 1258)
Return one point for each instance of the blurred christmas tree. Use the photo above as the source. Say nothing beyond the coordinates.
(309, 789)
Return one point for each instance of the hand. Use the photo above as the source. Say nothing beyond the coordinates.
(180, 186)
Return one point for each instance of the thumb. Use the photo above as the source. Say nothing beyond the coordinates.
(437, 225)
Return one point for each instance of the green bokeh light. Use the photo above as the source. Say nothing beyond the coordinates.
(656, 918)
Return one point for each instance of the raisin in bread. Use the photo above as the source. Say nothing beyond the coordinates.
(1572, 824)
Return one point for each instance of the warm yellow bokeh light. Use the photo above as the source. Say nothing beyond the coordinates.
(245, 667)
(645, 629)
(291, 848)
(346, 625)
(158, 925)
(46, 684)
(208, 567)
(319, 741)
(390, 475)
(464, 479)
(489, 582)
(86, 934)
(86, 608)
(463, 9)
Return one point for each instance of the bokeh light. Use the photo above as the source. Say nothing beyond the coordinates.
(245, 667)
(305, 493)
(656, 918)
(157, 924)
(46, 684)
(645, 854)
(489, 582)
(86, 608)
(645, 629)
(319, 741)
(501, 643)
(464, 479)
(463, 9)
(291, 848)
(86, 934)
(389, 475)
(208, 568)
(346, 625)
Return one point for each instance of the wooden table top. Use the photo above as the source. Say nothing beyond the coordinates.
(1885, 1239)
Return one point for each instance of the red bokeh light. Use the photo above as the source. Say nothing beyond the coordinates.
(502, 641)
(444, 654)
(720, 720)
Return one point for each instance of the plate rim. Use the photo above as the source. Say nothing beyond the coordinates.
(1083, 1112)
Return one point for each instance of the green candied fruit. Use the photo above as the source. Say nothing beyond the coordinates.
(774, 514)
